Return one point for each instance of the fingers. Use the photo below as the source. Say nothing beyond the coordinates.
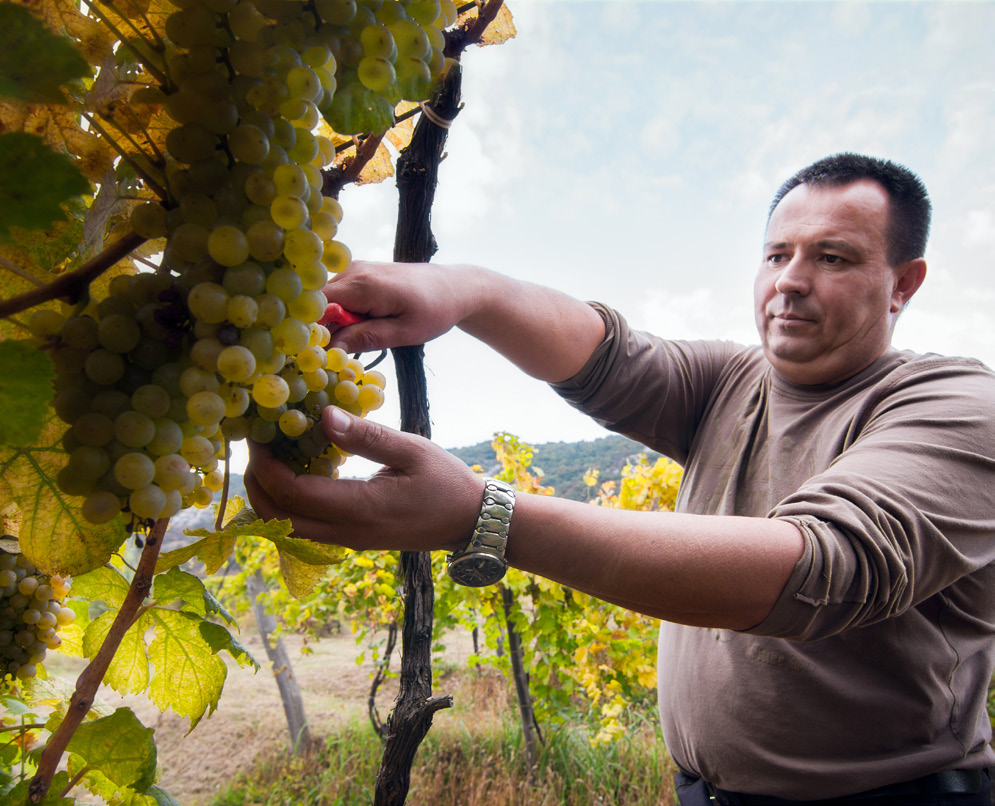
(372, 440)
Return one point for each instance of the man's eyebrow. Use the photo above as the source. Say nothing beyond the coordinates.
(839, 245)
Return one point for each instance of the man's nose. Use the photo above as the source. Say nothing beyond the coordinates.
(795, 278)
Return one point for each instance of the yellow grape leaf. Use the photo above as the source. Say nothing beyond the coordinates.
(400, 135)
(380, 167)
(52, 533)
(128, 672)
(304, 563)
(501, 29)
(96, 42)
(58, 126)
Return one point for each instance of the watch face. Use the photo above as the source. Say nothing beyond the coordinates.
(477, 570)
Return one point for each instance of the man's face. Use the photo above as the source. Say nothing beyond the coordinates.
(826, 296)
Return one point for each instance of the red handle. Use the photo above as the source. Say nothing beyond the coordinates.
(335, 314)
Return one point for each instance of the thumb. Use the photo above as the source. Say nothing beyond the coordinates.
(369, 439)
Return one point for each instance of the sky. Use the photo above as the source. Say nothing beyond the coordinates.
(627, 152)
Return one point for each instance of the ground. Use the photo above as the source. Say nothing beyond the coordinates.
(250, 717)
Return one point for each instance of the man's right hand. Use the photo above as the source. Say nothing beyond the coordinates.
(545, 333)
(404, 303)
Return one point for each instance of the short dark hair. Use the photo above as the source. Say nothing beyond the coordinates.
(909, 210)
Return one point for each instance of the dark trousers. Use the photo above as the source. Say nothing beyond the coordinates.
(932, 790)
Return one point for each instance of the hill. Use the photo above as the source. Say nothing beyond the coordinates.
(564, 464)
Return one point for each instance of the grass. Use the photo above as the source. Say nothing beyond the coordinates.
(474, 759)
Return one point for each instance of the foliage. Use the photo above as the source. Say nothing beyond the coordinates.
(561, 465)
(471, 765)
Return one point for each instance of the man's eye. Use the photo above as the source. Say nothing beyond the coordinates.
(775, 259)
(833, 260)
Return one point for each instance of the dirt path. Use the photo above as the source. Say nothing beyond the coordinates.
(250, 718)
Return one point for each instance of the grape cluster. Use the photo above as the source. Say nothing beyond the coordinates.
(31, 612)
(223, 342)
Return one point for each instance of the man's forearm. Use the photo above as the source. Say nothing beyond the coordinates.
(546, 333)
(703, 570)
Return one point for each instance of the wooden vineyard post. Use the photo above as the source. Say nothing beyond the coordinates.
(417, 176)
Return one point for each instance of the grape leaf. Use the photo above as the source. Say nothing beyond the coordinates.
(36, 181)
(128, 671)
(50, 249)
(213, 550)
(52, 533)
(34, 62)
(189, 675)
(18, 796)
(98, 784)
(501, 28)
(26, 375)
(120, 746)
(103, 584)
(179, 585)
(379, 168)
(95, 40)
(304, 563)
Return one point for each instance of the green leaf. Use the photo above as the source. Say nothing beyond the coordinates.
(14, 707)
(128, 672)
(26, 375)
(120, 746)
(176, 584)
(34, 62)
(304, 563)
(103, 584)
(18, 796)
(213, 550)
(36, 182)
(189, 675)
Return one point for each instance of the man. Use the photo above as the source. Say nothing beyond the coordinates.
(826, 586)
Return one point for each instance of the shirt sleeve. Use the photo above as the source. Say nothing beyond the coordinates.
(905, 511)
(647, 388)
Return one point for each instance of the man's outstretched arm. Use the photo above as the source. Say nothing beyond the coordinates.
(546, 333)
(715, 571)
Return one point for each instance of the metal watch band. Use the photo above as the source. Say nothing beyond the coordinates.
(492, 527)
(491, 532)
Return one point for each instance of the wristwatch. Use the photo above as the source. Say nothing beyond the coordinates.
(482, 562)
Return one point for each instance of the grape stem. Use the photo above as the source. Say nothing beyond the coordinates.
(473, 30)
(154, 186)
(74, 284)
(349, 171)
(91, 677)
(146, 62)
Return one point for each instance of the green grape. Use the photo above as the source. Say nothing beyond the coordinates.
(414, 78)
(198, 208)
(336, 256)
(346, 392)
(151, 400)
(208, 302)
(284, 283)
(303, 82)
(290, 180)
(248, 143)
(104, 367)
(290, 336)
(293, 423)
(249, 280)
(302, 247)
(332, 206)
(197, 450)
(324, 225)
(337, 359)
(312, 358)
(204, 353)
(242, 311)
(235, 429)
(265, 240)
(134, 429)
(288, 211)
(205, 408)
(260, 188)
(270, 391)
(271, 414)
(411, 39)
(134, 470)
(235, 363)
(228, 245)
(262, 431)
(80, 332)
(147, 502)
(308, 307)
(272, 310)
(191, 142)
(195, 379)
(189, 241)
(305, 148)
(377, 41)
(148, 219)
(336, 12)
(171, 472)
(236, 399)
(370, 397)
(316, 380)
(168, 437)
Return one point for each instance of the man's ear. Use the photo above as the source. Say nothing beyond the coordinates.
(908, 278)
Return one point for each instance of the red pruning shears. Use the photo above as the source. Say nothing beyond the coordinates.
(335, 314)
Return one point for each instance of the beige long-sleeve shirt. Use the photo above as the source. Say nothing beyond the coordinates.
(873, 666)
